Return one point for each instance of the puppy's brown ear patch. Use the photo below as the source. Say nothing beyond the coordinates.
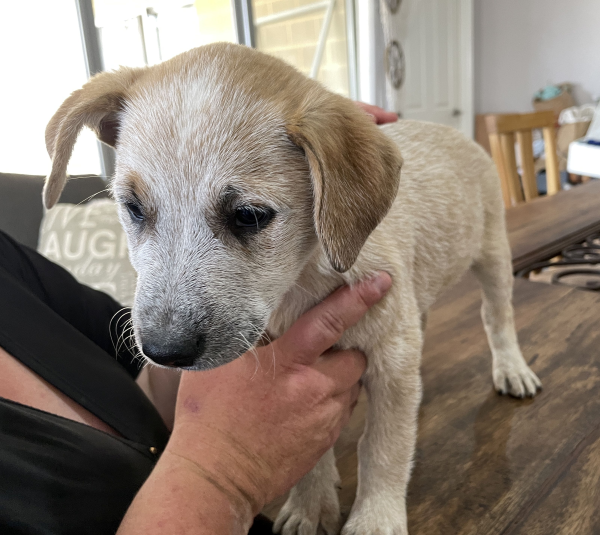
(355, 171)
(96, 105)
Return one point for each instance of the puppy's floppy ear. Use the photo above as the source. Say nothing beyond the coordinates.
(96, 105)
(355, 171)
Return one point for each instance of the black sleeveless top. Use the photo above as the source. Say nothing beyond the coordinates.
(58, 476)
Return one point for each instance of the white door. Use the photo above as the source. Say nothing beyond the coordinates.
(431, 50)
(436, 37)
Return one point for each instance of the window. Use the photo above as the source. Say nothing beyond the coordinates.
(41, 63)
(44, 61)
(138, 33)
(309, 34)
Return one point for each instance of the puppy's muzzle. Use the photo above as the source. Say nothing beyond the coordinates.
(175, 354)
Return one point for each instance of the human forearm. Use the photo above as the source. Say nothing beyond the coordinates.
(160, 385)
(180, 497)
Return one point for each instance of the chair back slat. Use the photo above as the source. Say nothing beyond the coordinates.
(507, 142)
(502, 130)
(499, 160)
(552, 172)
(525, 144)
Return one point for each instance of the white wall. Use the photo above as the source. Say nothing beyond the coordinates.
(520, 45)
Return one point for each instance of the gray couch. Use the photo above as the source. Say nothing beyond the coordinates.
(21, 208)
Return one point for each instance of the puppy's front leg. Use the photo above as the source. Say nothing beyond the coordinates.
(313, 502)
(385, 451)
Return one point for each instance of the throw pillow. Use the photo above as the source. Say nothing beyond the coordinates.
(88, 241)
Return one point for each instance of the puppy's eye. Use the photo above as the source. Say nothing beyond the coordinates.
(252, 217)
(135, 211)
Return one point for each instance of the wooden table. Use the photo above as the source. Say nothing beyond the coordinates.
(543, 227)
(488, 464)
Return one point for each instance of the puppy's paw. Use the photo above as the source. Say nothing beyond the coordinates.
(516, 378)
(310, 513)
(371, 518)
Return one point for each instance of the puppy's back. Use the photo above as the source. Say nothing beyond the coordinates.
(448, 189)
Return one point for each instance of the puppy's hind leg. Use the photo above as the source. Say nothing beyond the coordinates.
(313, 506)
(494, 270)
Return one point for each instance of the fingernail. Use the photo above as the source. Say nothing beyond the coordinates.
(382, 281)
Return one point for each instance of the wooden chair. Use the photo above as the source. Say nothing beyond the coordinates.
(502, 130)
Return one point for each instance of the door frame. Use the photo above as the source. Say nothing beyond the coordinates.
(467, 79)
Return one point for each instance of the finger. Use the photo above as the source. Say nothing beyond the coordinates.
(349, 399)
(354, 394)
(345, 406)
(322, 326)
(384, 117)
(367, 108)
(379, 115)
(345, 368)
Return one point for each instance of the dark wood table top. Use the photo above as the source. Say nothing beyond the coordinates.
(543, 227)
(488, 464)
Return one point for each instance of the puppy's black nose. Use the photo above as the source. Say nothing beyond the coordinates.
(179, 354)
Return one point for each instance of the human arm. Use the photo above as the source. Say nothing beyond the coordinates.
(245, 434)
(160, 386)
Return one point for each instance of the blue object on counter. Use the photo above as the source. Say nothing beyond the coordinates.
(593, 142)
(549, 92)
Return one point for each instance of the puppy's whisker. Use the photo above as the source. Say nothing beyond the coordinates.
(143, 361)
(122, 312)
(128, 341)
(265, 334)
(120, 340)
(251, 349)
(128, 327)
(306, 291)
(92, 196)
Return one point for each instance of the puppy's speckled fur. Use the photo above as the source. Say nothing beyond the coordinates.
(224, 126)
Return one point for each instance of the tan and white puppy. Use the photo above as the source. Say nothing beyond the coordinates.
(249, 192)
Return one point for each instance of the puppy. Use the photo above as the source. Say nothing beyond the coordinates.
(248, 193)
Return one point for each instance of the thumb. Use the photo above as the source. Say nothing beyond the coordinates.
(322, 326)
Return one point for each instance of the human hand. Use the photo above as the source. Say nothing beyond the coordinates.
(254, 427)
(379, 115)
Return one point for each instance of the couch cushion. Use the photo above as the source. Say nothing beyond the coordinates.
(21, 207)
(89, 241)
